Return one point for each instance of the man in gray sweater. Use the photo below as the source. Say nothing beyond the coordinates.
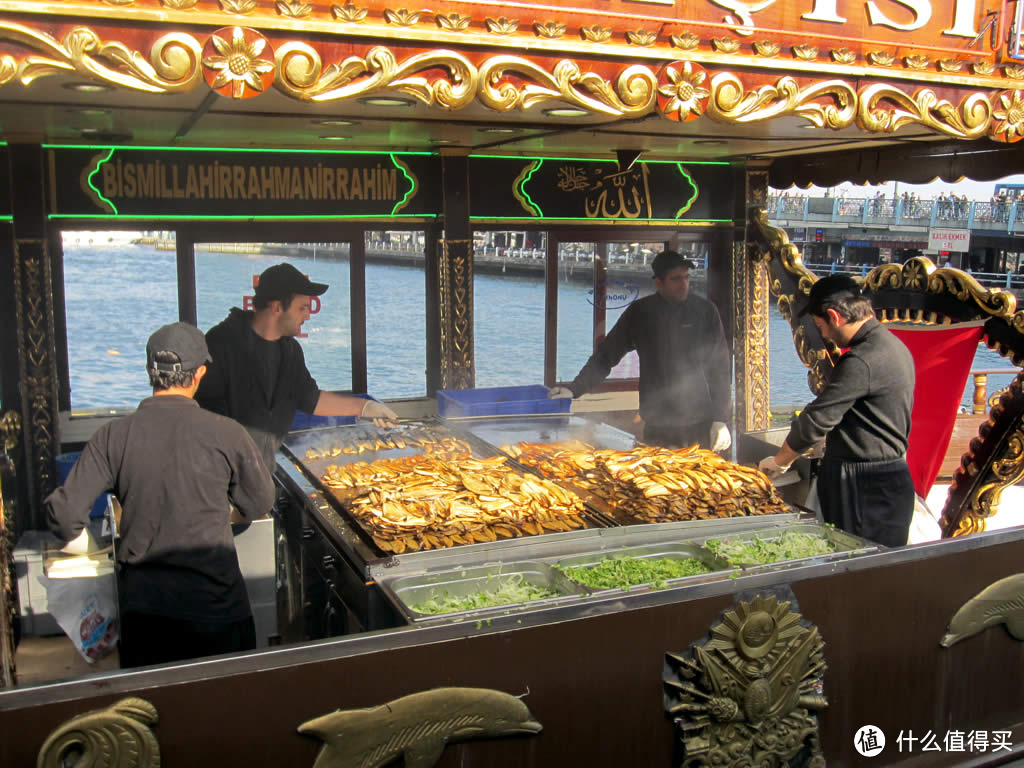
(863, 414)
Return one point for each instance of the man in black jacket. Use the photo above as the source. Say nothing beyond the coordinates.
(685, 363)
(177, 470)
(863, 414)
(259, 375)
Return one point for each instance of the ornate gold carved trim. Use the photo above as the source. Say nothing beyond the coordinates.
(1001, 602)
(750, 306)
(118, 736)
(458, 368)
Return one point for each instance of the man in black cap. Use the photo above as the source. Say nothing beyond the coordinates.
(684, 361)
(259, 375)
(863, 414)
(176, 469)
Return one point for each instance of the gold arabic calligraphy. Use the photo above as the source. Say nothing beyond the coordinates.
(618, 195)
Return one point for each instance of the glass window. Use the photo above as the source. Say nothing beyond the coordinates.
(396, 330)
(226, 274)
(119, 287)
(575, 308)
(508, 308)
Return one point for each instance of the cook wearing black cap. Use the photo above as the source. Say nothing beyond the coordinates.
(684, 361)
(863, 414)
(174, 467)
(259, 375)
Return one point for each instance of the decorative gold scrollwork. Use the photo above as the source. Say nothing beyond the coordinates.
(300, 74)
(633, 94)
(172, 65)
(730, 102)
(920, 275)
(10, 431)
(1008, 117)
(970, 121)
(116, 737)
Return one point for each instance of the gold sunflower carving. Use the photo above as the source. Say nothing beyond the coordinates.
(452, 21)
(767, 48)
(686, 41)
(549, 29)
(178, 5)
(725, 44)
(684, 95)
(293, 8)
(641, 37)
(805, 52)
(349, 12)
(501, 25)
(596, 33)
(881, 58)
(1009, 117)
(402, 17)
(238, 63)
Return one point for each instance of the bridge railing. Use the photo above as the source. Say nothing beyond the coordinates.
(1010, 281)
(955, 214)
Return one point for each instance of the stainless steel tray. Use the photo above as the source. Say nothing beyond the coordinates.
(555, 428)
(846, 545)
(408, 592)
(668, 550)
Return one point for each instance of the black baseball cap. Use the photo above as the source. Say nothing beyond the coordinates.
(181, 339)
(829, 289)
(668, 260)
(282, 280)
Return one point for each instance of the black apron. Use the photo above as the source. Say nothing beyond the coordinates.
(870, 499)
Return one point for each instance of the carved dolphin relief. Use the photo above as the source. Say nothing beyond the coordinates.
(1001, 602)
(116, 737)
(417, 727)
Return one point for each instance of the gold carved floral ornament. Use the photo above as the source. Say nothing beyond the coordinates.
(881, 58)
(767, 48)
(1009, 117)
(549, 29)
(641, 37)
(172, 64)
(302, 75)
(596, 33)
(1014, 72)
(178, 5)
(453, 21)
(725, 44)
(293, 8)
(970, 121)
(686, 41)
(402, 17)
(916, 61)
(950, 65)
(829, 104)
(349, 12)
(805, 52)
(501, 25)
(983, 68)
(240, 7)
(232, 62)
(682, 91)
(843, 56)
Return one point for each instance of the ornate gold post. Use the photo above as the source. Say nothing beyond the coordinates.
(751, 322)
(33, 304)
(456, 278)
(10, 434)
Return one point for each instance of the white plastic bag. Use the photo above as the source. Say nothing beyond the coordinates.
(86, 609)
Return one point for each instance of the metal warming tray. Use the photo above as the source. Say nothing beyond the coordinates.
(408, 594)
(846, 545)
(665, 550)
(555, 428)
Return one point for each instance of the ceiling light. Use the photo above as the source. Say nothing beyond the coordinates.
(386, 101)
(499, 130)
(709, 142)
(90, 112)
(566, 112)
(336, 122)
(330, 137)
(441, 141)
(87, 87)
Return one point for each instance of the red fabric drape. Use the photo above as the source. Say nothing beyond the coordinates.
(942, 357)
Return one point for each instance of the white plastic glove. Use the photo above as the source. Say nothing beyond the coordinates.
(555, 392)
(379, 414)
(770, 467)
(720, 437)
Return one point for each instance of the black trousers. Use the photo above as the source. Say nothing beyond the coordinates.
(870, 499)
(150, 639)
(678, 436)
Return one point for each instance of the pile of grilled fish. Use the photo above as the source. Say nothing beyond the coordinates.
(423, 502)
(656, 485)
(430, 440)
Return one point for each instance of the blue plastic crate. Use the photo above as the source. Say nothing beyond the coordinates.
(499, 401)
(311, 421)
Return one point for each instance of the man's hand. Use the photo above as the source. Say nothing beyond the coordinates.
(379, 414)
(720, 437)
(555, 392)
(771, 467)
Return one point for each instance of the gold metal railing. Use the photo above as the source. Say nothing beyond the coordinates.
(981, 402)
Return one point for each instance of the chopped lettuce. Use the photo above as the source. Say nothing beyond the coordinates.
(506, 589)
(625, 572)
(756, 550)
